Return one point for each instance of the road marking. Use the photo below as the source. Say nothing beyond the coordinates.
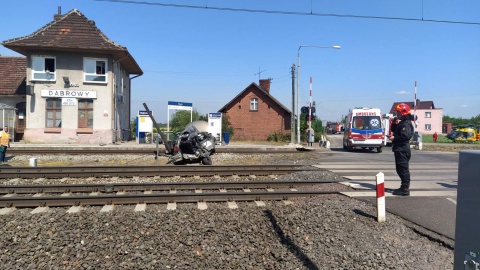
(380, 166)
(425, 180)
(373, 193)
(452, 200)
(390, 170)
(396, 178)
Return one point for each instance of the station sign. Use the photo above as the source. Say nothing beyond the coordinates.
(175, 105)
(68, 93)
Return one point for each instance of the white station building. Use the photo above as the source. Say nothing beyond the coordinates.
(78, 83)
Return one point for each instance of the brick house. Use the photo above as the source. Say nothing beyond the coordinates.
(13, 72)
(429, 118)
(78, 82)
(255, 114)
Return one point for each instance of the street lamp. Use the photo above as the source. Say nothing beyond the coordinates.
(298, 81)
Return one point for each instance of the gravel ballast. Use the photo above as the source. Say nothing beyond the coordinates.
(323, 232)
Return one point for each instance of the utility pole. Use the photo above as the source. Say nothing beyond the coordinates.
(292, 123)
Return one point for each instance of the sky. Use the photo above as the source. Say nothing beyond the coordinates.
(206, 52)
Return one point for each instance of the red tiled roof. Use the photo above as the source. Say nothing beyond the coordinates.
(13, 73)
(421, 105)
(266, 96)
(73, 32)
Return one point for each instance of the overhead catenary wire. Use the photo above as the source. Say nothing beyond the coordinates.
(311, 13)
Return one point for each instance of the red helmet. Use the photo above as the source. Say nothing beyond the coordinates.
(403, 109)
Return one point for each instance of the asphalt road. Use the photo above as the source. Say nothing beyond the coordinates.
(431, 208)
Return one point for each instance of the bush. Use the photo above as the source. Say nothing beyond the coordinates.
(277, 136)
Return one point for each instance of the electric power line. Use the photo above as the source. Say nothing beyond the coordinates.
(289, 12)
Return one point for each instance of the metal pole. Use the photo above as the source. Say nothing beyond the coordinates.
(298, 82)
(292, 123)
(164, 138)
(298, 95)
(309, 123)
(415, 107)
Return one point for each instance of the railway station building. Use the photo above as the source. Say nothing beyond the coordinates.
(76, 84)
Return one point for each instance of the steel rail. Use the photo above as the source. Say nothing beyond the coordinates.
(59, 201)
(130, 151)
(119, 187)
(130, 171)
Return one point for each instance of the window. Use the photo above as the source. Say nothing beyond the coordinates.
(85, 113)
(366, 122)
(54, 113)
(428, 127)
(95, 70)
(43, 68)
(254, 104)
(428, 115)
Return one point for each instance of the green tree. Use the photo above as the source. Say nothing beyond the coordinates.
(226, 125)
(180, 119)
(133, 127)
(462, 121)
(203, 118)
(317, 126)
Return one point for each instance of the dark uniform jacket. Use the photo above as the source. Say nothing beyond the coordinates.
(402, 135)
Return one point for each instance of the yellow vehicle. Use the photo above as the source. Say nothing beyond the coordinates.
(464, 133)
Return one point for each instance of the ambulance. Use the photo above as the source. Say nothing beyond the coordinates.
(364, 129)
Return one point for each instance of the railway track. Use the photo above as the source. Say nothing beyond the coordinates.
(132, 151)
(154, 193)
(163, 170)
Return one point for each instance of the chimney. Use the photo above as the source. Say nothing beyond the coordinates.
(265, 84)
(56, 17)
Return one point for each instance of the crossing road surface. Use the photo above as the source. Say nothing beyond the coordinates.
(426, 181)
(431, 205)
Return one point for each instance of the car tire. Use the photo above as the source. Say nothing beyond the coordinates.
(207, 160)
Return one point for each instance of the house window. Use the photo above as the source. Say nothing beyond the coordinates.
(54, 113)
(95, 70)
(43, 68)
(428, 127)
(428, 115)
(254, 104)
(85, 113)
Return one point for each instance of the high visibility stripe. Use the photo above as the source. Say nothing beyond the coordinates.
(381, 190)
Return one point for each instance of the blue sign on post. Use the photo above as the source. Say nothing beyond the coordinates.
(175, 105)
(144, 125)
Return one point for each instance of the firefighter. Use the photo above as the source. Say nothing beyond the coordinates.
(401, 147)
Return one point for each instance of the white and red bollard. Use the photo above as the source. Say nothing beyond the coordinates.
(380, 197)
